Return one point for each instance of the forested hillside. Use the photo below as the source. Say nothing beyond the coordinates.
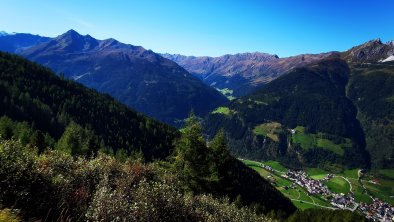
(371, 88)
(303, 117)
(32, 93)
(70, 153)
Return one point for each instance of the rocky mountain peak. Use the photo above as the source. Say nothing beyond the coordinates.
(369, 52)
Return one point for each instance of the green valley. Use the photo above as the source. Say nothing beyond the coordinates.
(347, 183)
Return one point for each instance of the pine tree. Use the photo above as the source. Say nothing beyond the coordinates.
(78, 141)
(193, 156)
(221, 158)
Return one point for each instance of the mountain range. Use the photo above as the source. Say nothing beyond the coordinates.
(243, 73)
(137, 77)
(274, 93)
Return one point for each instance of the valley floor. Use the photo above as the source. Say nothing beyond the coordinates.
(371, 195)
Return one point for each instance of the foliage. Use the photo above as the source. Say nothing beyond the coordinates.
(158, 201)
(21, 184)
(78, 141)
(25, 133)
(193, 157)
(211, 169)
(33, 94)
(6, 215)
(371, 90)
(314, 97)
(101, 189)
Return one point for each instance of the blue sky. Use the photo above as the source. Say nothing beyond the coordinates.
(210, 27)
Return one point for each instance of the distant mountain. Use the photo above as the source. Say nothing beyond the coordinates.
(32, 93)
(135, 76)
(370, 52)
(302, 118)
(17, 42)
(242, 73)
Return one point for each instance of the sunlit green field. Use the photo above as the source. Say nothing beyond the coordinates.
(383, 190)
(310, 140)
(222, 110)
(316, 173)
(338, 185)
(271, 130)
(276, 165)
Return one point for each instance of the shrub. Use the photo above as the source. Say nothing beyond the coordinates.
(7, 215)
(21, 185)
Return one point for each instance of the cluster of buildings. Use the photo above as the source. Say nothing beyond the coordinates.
(327, 177)
(344, 201)
(377, 211)
(311, 185)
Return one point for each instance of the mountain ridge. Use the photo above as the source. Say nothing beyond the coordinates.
(139, 78)
(242, 72)
(244, 75)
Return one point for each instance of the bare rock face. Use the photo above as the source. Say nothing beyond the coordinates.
(369, 52)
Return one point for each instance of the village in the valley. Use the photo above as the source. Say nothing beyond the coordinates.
(378, 210)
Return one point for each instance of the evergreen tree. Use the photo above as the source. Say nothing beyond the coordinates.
(192, 156)
(38, 140)
(6, 126)
(78, 141)
(220, 158)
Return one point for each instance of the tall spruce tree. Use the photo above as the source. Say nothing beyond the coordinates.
(193, 156)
